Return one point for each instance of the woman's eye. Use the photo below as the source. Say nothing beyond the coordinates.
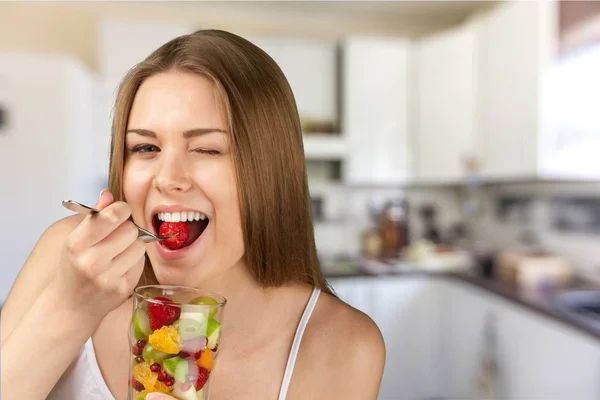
(207, 151)
(145, 148)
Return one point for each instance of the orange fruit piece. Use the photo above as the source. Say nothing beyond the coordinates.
(144, 375)
(206, 360)
(165, 339)
(162, 388)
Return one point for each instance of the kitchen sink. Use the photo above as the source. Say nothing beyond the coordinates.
(584, 304)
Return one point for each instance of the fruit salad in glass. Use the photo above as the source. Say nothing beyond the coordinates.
(174, 339)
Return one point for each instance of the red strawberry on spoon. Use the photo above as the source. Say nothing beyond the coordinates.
(181, 230)
(161, 314)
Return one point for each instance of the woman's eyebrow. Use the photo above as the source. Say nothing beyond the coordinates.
(201, 131)
(187, 134)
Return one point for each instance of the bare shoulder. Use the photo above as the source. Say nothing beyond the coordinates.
(37, 272)
(350, 348)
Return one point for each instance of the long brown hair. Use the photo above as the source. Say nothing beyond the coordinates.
(266, 144)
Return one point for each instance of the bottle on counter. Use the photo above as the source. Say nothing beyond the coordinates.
(394, 229)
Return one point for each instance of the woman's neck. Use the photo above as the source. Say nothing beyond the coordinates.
(246, 299)
(248, 303)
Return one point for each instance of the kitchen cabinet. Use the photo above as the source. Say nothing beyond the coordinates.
(538, 358)
(518, 46)
(407, 313)
(311, 68)
(46, 148)
(445, 97)
(495, 89)
(376, 78)
(462, 321)
(433, 328)
(542, 359)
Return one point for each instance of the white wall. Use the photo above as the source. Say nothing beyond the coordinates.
(581, 249)
(47, 98)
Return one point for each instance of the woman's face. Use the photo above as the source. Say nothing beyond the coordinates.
(178, 160)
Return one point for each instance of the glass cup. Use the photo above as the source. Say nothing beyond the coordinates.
(174, 339)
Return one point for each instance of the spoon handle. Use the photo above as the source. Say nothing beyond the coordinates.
(78, 207)
(145, 236)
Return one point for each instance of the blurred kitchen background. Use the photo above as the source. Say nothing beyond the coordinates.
(453, 153)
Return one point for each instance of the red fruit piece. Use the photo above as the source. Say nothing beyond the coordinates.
(162, 376)
(176, 242)
(136, 350)
(203, 374)
(137, 385)
(155, 367)
(169, 381)
(161, 314)
(197, 355)
(139, 359)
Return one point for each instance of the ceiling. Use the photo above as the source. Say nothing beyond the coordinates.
(317, 17)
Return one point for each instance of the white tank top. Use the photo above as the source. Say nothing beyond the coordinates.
(83, 380)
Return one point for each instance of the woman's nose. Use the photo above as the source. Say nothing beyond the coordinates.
(172, 175)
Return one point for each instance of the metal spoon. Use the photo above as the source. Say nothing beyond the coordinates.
(145, 235)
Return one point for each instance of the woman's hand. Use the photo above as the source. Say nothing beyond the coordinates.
(103, 260)
(159, 396)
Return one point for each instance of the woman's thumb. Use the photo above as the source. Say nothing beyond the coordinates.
(105, 199)
(158, 396)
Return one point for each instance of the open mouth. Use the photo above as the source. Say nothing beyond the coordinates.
(188, 225)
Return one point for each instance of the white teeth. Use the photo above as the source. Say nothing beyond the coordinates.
(181, 216)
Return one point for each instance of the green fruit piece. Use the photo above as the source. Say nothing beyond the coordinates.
(190, 329)
(141, 324)
(213, 331)
(170, 365)
(194, 313)
(176, 324)
(181, 370)
(150, 354)
(208, 301)
(200, 394)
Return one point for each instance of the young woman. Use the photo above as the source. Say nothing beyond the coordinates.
(207, 124)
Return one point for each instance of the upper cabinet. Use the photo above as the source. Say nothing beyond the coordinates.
(375, 110)
(310, 67)
(517, 46)
(495, 90)
(445, 104)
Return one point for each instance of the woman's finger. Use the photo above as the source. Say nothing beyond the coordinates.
(159, 396)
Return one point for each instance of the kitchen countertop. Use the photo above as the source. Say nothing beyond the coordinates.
(544, 304)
